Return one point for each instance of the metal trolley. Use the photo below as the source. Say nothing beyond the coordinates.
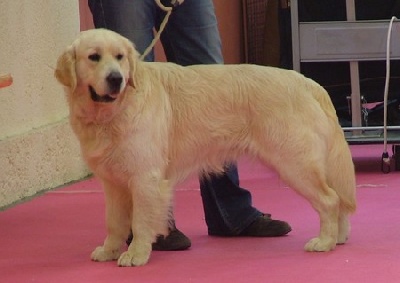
(352, 41)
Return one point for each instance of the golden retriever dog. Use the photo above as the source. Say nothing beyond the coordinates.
(143, 127)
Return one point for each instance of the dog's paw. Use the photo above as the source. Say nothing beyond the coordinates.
(320, 245)
(129, 258)
(100, 254)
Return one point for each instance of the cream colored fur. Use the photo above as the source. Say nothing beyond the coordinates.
(168, 121)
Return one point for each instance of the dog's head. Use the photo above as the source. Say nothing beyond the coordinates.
(100, 63)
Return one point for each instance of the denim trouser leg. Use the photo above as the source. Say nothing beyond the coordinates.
(134, 19)
(227, 206)
(190, 37)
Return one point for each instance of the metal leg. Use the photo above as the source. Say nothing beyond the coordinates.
(354, 77)
(294, 14)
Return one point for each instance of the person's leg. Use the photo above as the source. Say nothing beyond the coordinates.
(134, 19)
(192, 37)
(228, 208)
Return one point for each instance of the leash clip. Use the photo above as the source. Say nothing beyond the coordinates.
(171, 3)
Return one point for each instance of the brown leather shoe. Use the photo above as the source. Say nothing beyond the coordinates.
(265, 226)
(174, 241)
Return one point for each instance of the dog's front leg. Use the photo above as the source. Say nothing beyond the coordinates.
(118, 212)
(151, 199)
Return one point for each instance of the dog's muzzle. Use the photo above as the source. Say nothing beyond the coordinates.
(114, 81)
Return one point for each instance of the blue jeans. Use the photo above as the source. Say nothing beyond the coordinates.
(190, 37)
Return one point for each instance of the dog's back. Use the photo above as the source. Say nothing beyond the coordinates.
(217, 108)
(278, 116)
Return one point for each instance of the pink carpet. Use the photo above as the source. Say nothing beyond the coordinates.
(50, 238)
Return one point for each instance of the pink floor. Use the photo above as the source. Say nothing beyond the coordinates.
(50, 238)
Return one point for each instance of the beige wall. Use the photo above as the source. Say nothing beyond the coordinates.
(37, 149)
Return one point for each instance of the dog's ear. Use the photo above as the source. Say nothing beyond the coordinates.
(133, 57)
(65, 70)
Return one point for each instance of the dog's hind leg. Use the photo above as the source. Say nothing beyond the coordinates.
(341, 177)
(324, 200)
(118, 211)
(307, 178)
(327, 206)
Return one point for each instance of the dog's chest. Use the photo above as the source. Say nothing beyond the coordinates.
(107, 155)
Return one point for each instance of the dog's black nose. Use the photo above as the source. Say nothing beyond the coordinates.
(114, 80)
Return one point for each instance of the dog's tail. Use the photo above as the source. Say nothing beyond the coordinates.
(340, 167)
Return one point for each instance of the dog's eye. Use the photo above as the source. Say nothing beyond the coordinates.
(94, 57)
(119, 57)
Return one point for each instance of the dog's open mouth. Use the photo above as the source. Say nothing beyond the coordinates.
(101, 98)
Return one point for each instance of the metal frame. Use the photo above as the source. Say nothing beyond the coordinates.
(350, 41)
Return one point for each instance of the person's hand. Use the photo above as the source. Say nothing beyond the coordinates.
(172, 3)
